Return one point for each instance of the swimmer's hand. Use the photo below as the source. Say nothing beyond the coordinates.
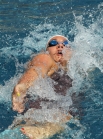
(19, 107)
(18, 98)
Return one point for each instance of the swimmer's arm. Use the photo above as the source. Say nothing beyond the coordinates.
(39, 66)
(20, 89)
(42, 63)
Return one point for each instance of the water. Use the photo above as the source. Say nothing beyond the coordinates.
(25, 27)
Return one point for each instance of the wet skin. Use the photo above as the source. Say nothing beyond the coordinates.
(47, 63)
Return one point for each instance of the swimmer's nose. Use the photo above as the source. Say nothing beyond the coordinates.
(60, 46)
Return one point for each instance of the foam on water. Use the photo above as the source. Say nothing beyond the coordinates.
(88, 54)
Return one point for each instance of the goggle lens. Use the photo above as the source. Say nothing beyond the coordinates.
(54, 43)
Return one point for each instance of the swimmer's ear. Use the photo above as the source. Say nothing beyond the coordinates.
(47, 50)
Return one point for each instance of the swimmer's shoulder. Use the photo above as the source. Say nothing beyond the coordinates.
(42, 58)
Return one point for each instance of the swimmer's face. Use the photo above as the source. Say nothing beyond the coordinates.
(56, 52)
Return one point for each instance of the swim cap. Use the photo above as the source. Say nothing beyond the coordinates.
(53, 37)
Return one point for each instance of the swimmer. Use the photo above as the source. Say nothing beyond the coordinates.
(58, 53)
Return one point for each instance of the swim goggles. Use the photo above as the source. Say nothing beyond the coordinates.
(54, 43)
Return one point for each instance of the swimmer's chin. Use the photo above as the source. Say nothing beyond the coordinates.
(58, 58)
(61, 60)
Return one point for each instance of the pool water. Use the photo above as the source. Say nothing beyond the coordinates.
(25, 27)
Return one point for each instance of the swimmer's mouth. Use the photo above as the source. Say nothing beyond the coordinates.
(60, 52)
